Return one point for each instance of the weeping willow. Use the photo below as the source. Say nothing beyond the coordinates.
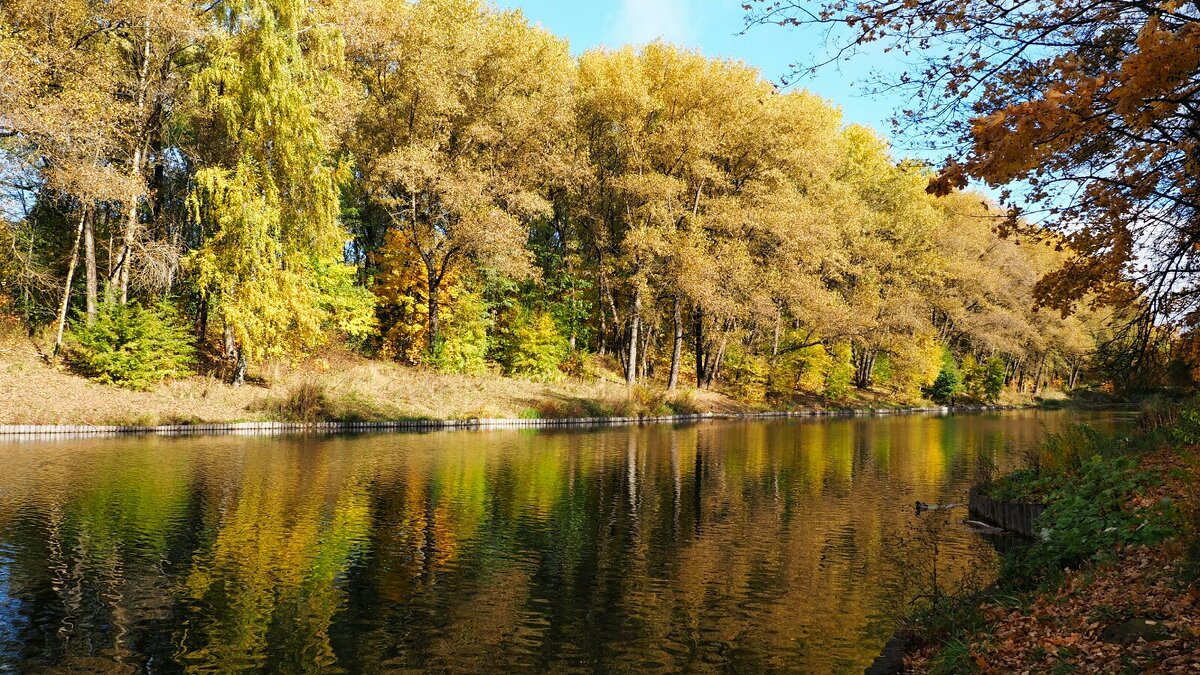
(266, 199)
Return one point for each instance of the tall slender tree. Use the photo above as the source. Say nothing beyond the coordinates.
(266, 197)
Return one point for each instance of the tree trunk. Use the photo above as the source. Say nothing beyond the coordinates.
(713, 367)
(202, 321)
(602, 333)
(635, 324)
(617, 327)
(235, 354)
(643, 369)
(66, 295)
(774, 353)
(239, 368)
(698, 346)
(677, 345)
(864, 366)
(130, 230)
(433, 326)
(135, 167)
(89, 266)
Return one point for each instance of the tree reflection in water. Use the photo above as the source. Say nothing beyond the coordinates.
(755, 544)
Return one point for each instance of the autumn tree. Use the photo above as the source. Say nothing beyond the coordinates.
(266, 197)
(460, 133)
(892, 263)
(59, 115)
(448, 170)
(1090, 109)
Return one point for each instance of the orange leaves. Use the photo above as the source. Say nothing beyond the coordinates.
(1132, 611)
(952, 177)
(1151, 77)
(1090, 106)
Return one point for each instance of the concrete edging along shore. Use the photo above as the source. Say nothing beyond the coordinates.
(10, 431)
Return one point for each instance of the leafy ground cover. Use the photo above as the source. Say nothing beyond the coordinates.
(1112, 584)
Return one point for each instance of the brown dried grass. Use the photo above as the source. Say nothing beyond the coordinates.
(33, 390)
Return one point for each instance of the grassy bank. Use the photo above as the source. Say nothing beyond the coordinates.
(340, 386)
(1113, 582)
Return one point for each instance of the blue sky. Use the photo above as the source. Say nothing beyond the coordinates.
(714, 27)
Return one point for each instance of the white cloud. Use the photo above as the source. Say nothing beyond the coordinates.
(642, 21)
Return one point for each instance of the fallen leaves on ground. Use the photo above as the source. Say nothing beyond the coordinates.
(1065, 630)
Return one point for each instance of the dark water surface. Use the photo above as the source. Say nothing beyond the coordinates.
(741, 546)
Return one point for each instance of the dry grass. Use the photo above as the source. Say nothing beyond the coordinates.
(337, 385)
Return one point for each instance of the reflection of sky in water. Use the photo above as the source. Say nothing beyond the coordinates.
(11, 621)
(753, 545)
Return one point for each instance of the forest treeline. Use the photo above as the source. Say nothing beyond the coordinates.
(442, 183)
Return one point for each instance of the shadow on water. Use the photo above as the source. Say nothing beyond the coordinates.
(745, 545)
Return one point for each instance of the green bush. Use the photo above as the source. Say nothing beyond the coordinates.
(531, 345)
(945, 387)
(982, 381)
(747, 374)
(1056, 461)
(131, 346)
(1068, 449)
(993, 379)
(948, 384)
(463, 345)
(1187, 428)
(841, 372)
(1024, 485)
(1089, 515)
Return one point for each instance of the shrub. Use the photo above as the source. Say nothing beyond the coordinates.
(948, 383)
(1054, 462)
(311, 401)
(684, 402)
(304, 402)
(945, 387)
(463, 345)
(911, 368)
(1070, 448)
(747, 374)
(929, 594)
(531, 345)
(993, 379)
(841, 372)
(131, 346)
(1186, 430)
(813, 364)
(983, 381)
(647, 401)
(1088, 515)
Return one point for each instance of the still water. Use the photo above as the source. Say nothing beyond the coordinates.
(742, 546)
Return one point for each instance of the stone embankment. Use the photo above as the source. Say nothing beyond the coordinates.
(269, 428)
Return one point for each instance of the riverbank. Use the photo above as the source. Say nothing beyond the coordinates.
(266, 428)
(1112, 584)
(341, 390)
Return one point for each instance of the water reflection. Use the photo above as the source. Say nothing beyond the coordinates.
(746, 545)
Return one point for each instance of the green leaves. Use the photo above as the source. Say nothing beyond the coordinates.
(531, 345)
(1090, 513)
(267, 195)
(131, 346)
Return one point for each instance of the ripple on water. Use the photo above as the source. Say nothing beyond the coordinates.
(743, 546)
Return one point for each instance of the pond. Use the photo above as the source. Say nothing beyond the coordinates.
(716, 546)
